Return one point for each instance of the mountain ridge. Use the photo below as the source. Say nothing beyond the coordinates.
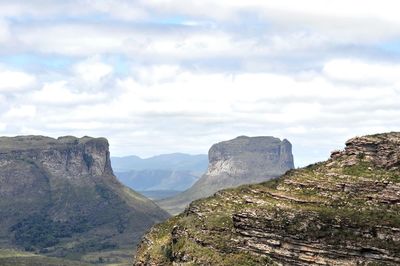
(343, 211)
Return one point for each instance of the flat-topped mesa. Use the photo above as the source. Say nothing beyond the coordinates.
(383, 150)
(64, 157)
(63, 192)
(268, 152)
(246, 160)
(243, 160)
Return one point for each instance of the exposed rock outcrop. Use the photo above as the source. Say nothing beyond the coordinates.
(243, 160)
(344, 211)
(381, 150)
(60, 197)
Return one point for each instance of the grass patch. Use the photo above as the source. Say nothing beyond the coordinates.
(11, 257)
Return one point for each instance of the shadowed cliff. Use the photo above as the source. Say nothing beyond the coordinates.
(59, 197)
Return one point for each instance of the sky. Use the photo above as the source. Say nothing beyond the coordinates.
(169, 76)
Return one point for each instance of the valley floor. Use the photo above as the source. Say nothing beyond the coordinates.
(12, 257)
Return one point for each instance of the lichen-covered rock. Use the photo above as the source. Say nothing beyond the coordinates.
(60, 197)
(345, 211)
(382, 150)
(243, 160)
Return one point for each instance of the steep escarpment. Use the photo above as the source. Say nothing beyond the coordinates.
(60, 197)
(243, 160)
(344, 211)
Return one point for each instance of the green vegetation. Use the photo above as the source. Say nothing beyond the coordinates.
(348, 203)
(58, 198)
(9, 257)
(38, 231)
(359, 169)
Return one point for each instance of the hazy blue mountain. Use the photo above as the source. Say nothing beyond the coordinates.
(157, 179)
(173, 161)
(159, 194)
(161, 175)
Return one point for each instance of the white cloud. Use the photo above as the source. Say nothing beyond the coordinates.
(158, 73)
(254, 104)
(70, 39)
(58, 94)
(4, 31)
(198, 72)
(357, 71)
(167, 45)
(92, 70)
(340, 21)
(12, 81)
(147, 44)
(351, 21)
(21, 112)
(119, 9)
(171, 101)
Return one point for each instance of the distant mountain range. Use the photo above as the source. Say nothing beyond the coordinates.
(160, 176)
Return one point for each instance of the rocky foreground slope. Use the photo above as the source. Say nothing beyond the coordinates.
(344, 211)
(243, 160)
(59, 197)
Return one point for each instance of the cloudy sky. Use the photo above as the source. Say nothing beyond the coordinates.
(177, 76)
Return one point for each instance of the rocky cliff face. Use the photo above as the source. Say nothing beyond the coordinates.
(60, 197)
(344, 211)
(243, 160)
(248, 160)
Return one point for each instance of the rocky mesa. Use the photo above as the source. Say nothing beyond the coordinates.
(243, 160)
(344, 211)
(60, 197)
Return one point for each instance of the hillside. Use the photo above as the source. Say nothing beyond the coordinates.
(18, 258)
(59, 197)
(344, 211)
(243, 160)
(162, 175)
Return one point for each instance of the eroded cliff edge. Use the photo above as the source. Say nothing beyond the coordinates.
(344, 211)
(243, 160)
(60, 197)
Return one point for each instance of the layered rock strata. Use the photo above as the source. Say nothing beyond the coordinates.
(243, 160)
(344, 211)
(60, 197)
